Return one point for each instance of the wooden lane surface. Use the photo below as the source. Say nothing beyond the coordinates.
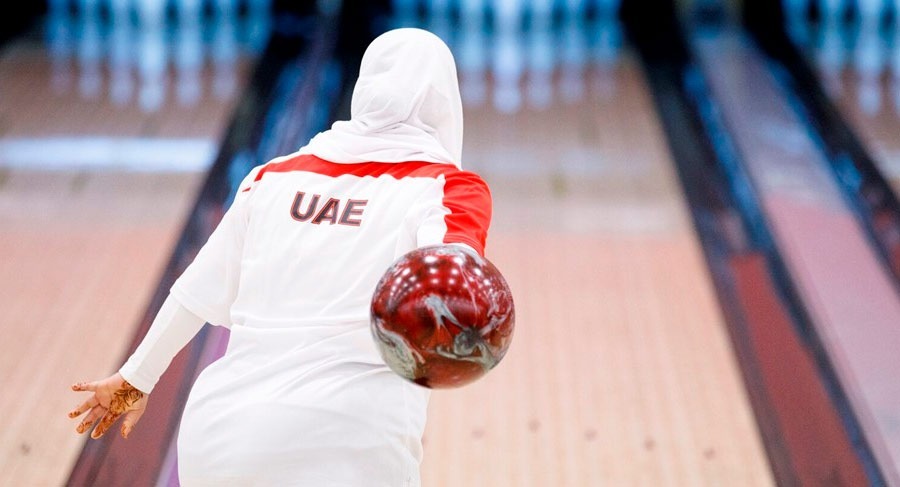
(620, 372)
(82, 252)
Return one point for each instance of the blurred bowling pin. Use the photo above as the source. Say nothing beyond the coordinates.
(471, 55)
(224, 49)
(542, 13)
(90, 50)
(188, 53)
(59, 39)
(796, 20)
(831, 56)
(507, 15)
(225, 8)
(605, 52)
(608, 9)
(832, 11)
(152, 59)
(541, 59)
(895, 58)
(189, 13)
(122, 53)
(871, 13)
(471, 13)
(507, 61)
(259, 24)
(573, 10)
(439, 19)
(574, 52)
(868, 62)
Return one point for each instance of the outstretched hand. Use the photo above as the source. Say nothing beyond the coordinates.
(111, 398)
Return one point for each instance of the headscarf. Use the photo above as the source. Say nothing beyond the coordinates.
(406, 105)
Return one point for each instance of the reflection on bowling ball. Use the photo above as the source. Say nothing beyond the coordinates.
(442, 316)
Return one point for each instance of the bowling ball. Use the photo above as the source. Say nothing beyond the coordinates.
(442, 316)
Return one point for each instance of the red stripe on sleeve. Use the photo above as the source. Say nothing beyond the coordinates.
(468, 198)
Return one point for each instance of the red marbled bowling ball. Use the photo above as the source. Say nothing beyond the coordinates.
(442, 316)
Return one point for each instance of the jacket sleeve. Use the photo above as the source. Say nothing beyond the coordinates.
(208, 286)
(173, 327)
(460, 214)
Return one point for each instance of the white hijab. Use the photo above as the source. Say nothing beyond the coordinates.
(406, 105)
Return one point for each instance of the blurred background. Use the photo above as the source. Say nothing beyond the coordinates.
(695, 204)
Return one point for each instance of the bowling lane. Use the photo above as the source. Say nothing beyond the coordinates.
(100, 159)
(860, 70)
(621, 371)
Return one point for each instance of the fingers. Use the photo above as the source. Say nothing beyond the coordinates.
(131, 419)
(108, 419)
(85, 386)
(84, 407)
(88, 421)
(108, 403)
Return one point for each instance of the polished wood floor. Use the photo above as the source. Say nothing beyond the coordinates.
(82, 253)
(83, 249)
(621, 372)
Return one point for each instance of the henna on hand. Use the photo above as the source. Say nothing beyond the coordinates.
(124, 400)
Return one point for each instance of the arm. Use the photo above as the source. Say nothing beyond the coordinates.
(126, 392)
(172, 329)
(203, 293)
